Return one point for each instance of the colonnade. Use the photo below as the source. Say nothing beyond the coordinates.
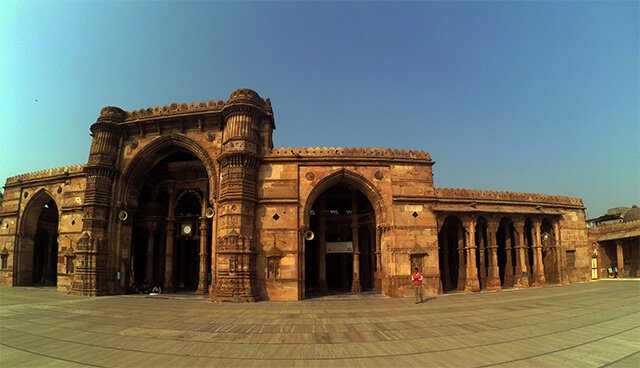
(484, 262)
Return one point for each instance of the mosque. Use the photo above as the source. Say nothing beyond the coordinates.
(195, 198)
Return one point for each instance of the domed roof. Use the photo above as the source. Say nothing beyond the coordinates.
(632, 215)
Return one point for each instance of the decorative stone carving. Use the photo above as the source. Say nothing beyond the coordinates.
(310, 175)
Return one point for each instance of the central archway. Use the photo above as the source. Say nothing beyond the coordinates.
(370, 215)
(168, 188)
(342, 255)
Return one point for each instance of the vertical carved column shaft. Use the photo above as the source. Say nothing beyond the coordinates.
(520, 280)
(378, 259)
(493, 277)
(461, 262)
(538, 265)
(471, 282)
(355, 286)
(169, 241)
(202, 274)
(558, 250)
(482, 276)
(322, 247)
(508, 267)
(620, 258)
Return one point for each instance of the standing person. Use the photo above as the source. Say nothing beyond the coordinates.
(416, 277)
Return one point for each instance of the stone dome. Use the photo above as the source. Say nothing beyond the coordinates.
(245, 95)
(632, 215)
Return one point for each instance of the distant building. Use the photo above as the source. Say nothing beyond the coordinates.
(195, 197)
(615, 243)
(613, 216)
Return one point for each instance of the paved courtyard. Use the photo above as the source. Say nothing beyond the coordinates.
(586, 325)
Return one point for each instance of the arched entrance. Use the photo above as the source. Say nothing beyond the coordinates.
(37, 261)
(342, 255)
(451, 254)
(170, 231)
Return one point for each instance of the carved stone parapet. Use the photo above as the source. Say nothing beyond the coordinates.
(506, 196)
(348, 152)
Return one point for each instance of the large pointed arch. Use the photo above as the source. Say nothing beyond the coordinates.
(152, 154)
(355, 180)
(27, 229)
(32, 210)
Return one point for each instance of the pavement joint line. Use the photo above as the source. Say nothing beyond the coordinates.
(562, 349)
(637, 352)
(342, 344)
(49, 356)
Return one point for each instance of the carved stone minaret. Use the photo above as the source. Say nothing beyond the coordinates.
(91, 252)
(248, 124)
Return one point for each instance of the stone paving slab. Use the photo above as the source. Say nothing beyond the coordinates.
(585, 325)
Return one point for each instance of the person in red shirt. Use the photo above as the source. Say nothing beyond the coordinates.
(416, 278)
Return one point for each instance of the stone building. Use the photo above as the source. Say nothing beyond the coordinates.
(195, 197)
(615, 244)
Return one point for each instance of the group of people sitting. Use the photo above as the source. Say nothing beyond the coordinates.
(147, 289)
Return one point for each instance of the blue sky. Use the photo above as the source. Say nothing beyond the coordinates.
(523, 96)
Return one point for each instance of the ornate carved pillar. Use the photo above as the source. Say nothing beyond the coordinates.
(377, 283)
(620, 258)
(169, 241)
(322, 247)
(214, 249)
(471, 279)
(520, 280)
(91, 254)
(508, 246)
(538, 265)
(355, 285)
(558, 251)
(462, 269)
(202, 272)
(151, 227)
(239, 161)
(493, 277)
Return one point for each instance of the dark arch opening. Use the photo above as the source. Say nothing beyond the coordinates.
(343, 222)
(37, 260)
(506, 252)
(45, 246)
(450, 239)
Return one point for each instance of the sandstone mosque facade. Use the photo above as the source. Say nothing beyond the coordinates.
(195, 198)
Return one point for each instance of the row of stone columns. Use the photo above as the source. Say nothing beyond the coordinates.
(169, 245)
(516, 275)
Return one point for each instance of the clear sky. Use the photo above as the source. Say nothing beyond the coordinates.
(523, 96)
